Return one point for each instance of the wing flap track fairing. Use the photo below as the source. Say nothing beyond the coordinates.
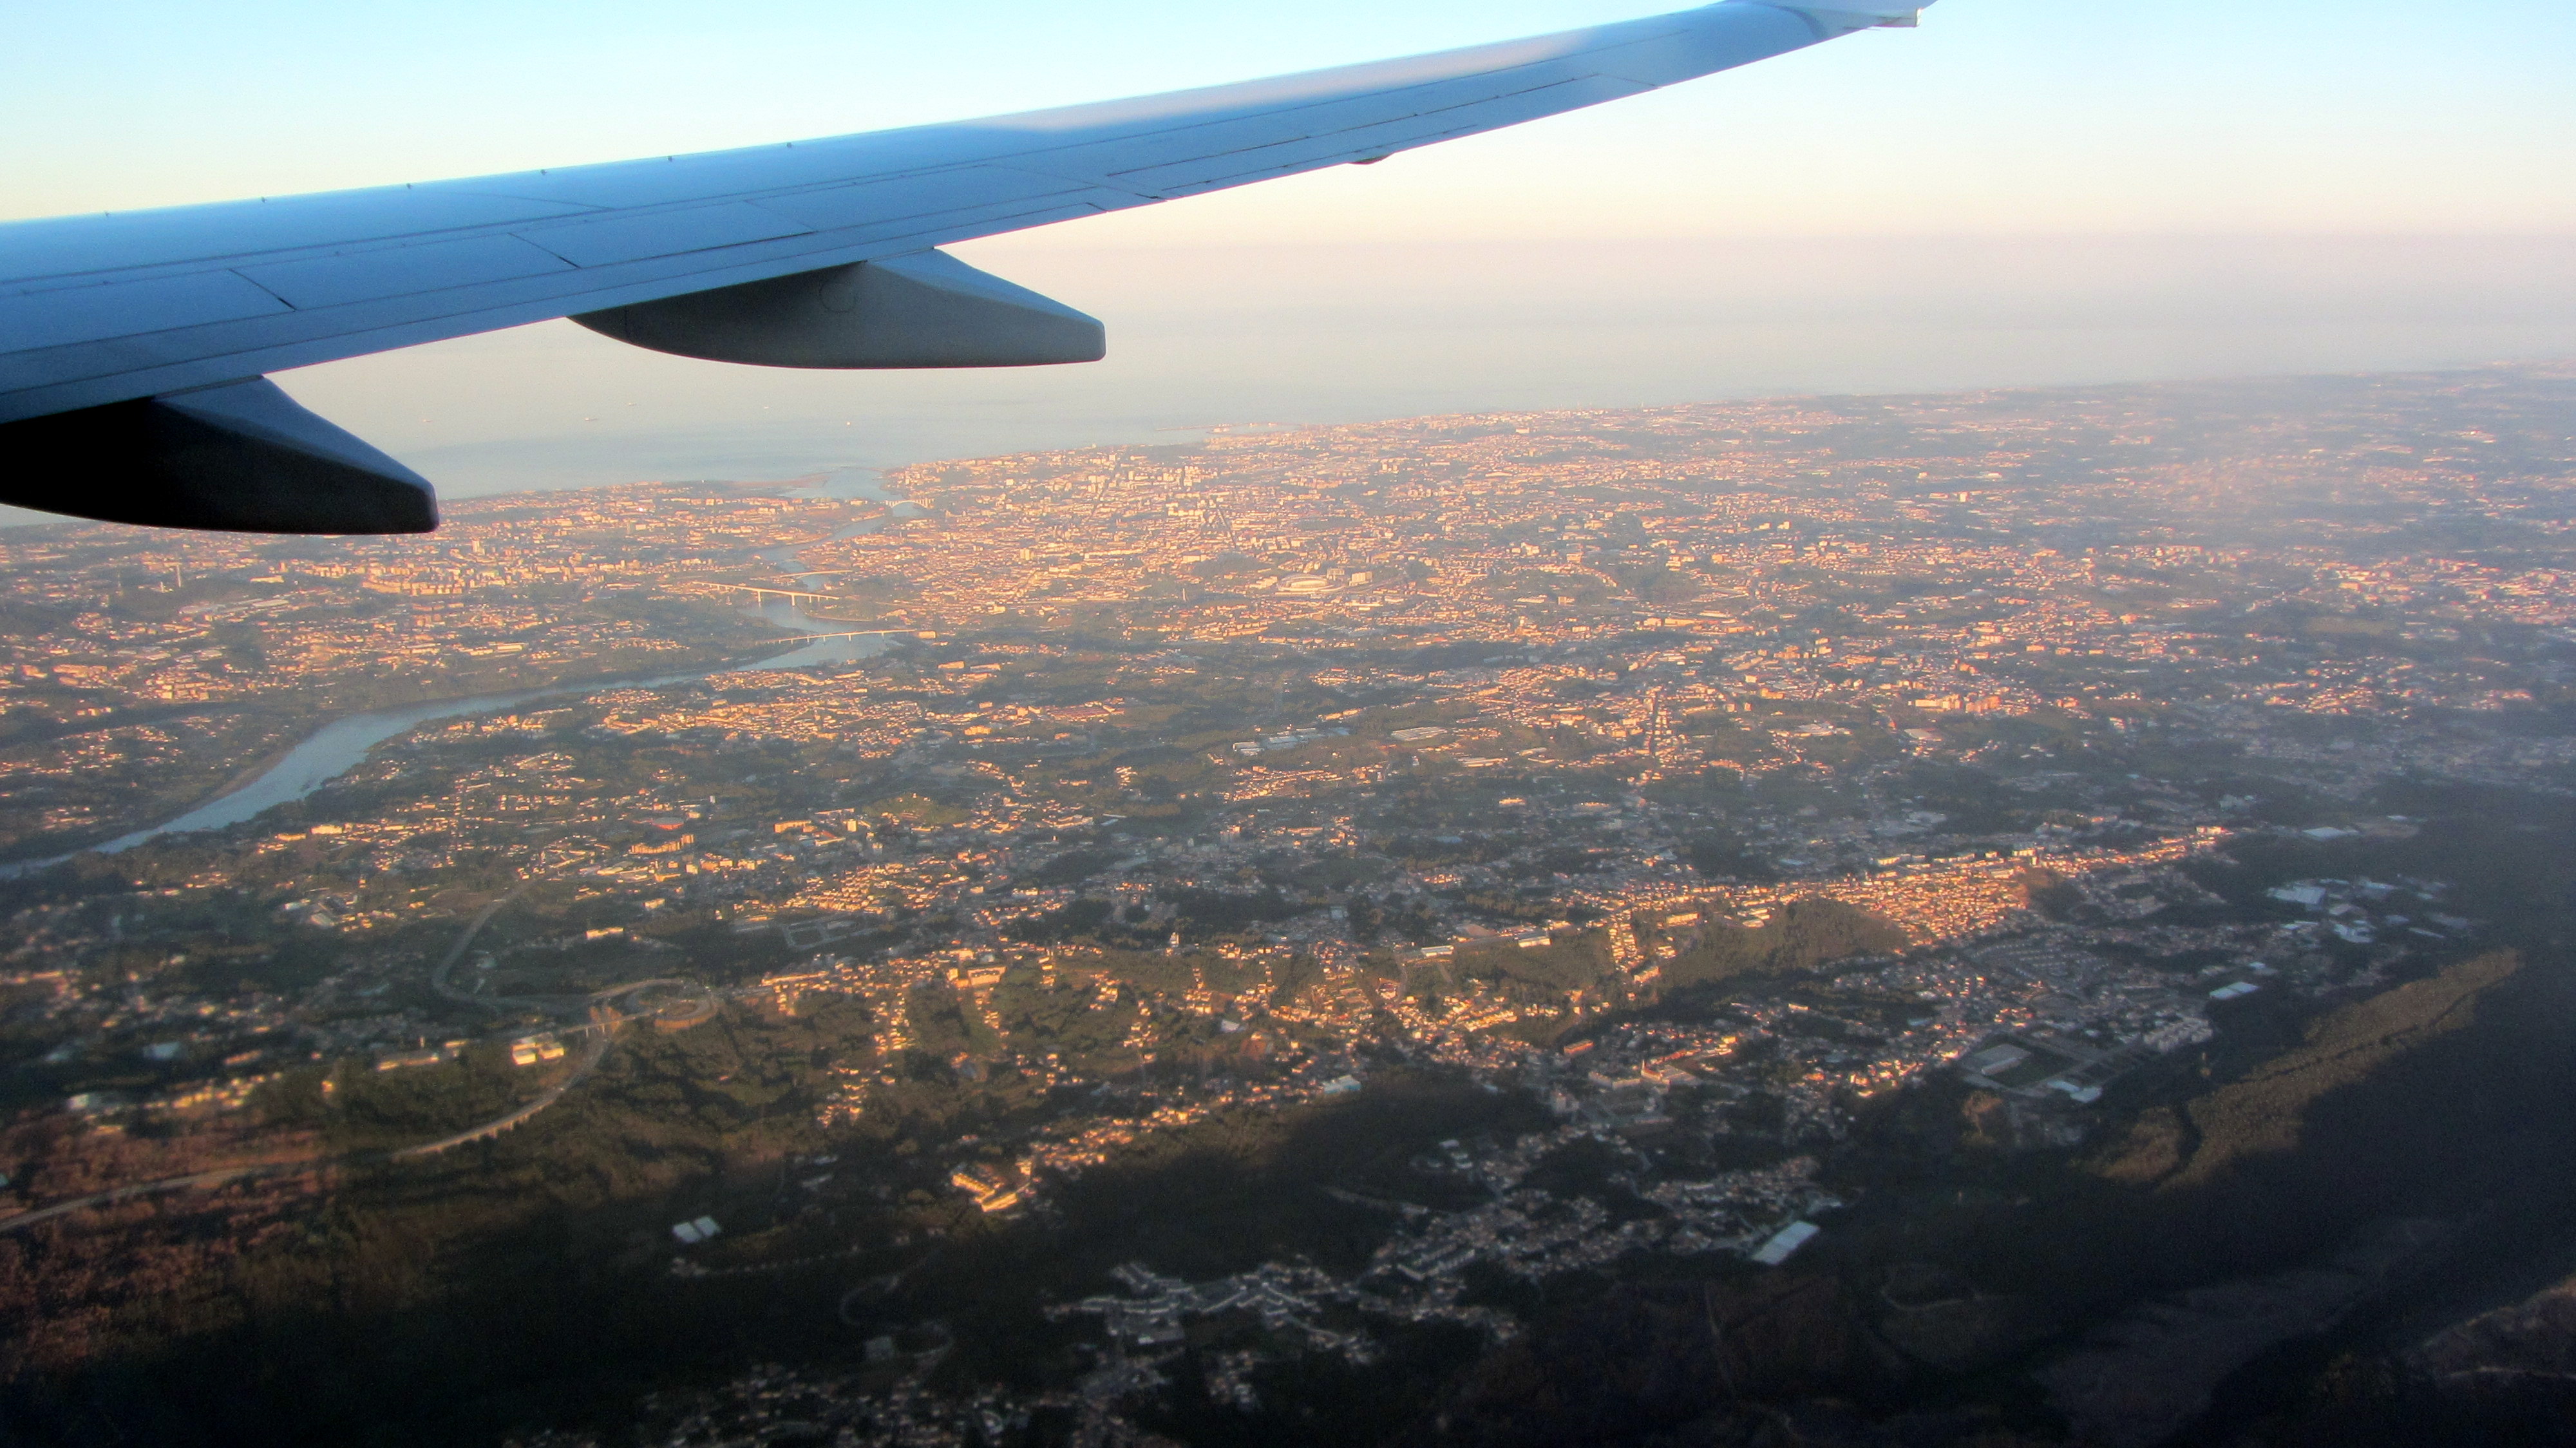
(919, 311)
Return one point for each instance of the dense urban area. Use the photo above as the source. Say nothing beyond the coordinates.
(2004, 918)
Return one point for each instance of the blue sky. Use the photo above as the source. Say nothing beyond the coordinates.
(1998, 115)
(2020, 191)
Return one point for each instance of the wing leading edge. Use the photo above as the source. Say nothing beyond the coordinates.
(814, 253)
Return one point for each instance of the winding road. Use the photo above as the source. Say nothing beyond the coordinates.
(456, 952)
(168, 1184)
(602, 1026)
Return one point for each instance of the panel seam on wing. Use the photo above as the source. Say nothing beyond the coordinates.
(1320, 135)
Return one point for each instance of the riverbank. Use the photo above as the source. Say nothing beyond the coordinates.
(221, 784)
(341, 744)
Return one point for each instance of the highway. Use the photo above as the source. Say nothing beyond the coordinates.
(591, 1055)
(456, 952)
(168, 1184)
(604, 1019)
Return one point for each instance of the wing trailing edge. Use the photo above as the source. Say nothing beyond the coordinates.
(1846, 17)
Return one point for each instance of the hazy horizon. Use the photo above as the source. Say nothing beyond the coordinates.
(1341, 332)
(1338, 333)
(2017, 193)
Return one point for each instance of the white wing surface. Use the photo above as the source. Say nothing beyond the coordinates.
(132, 345)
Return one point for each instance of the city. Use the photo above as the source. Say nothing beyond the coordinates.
(1072, 946)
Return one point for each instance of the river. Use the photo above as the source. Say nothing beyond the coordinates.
(342, 745)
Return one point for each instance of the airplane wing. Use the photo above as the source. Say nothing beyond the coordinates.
(134, 346)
